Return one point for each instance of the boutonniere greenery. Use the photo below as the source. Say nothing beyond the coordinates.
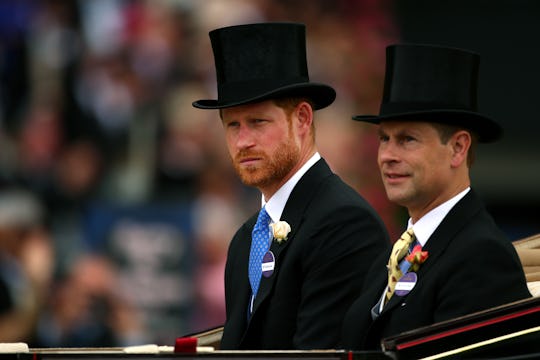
(417, 257)
(280, 230)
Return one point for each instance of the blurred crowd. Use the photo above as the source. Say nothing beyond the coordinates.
(95, 108)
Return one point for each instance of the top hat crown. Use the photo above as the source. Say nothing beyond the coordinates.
(435, 84)
(256, 62)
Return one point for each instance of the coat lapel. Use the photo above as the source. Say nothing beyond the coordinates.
(454, 221)
(458, 217)
(293, 213)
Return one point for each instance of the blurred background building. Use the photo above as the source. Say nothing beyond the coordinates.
(117, 198)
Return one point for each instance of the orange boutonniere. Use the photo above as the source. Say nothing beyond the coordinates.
(416, 257)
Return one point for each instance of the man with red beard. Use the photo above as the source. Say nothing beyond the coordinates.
(461, 262)
(292, 269)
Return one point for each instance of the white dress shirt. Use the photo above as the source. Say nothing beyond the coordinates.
(427, 224)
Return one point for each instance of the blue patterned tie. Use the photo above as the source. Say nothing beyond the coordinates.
(259, 245)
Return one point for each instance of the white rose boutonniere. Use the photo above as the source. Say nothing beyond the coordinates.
(280, 230)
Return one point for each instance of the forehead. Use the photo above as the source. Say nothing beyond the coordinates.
(258, 109)
(397, 127)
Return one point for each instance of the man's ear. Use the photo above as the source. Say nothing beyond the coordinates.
(304, 113)
(460, 144)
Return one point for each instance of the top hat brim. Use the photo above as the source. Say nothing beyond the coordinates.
(320, 94)
(485, 128)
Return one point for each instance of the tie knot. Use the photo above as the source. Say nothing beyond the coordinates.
(401, 247)
(408, 236)
(263, 219)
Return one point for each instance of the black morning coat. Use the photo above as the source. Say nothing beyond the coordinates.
(471, 266)
(319, 270)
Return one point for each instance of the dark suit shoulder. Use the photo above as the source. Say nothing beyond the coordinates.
(329, 191)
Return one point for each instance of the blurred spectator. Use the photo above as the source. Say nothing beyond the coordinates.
(86, 310)
(217, 214)
(78, 178)
(183, 147)
(26, 264)
(39, 139)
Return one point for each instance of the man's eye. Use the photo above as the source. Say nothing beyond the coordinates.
(408, 139)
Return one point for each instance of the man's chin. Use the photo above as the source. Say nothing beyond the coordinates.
(250, 178)
(395, 197)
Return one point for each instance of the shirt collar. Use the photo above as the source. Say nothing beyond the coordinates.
(427, 224)
(276, 204)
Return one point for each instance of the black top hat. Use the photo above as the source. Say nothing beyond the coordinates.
(256, 62)
(435, 84)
